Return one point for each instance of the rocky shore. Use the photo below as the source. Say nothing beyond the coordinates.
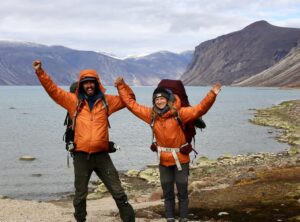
(252, 187)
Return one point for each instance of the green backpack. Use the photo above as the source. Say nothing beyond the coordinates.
(69, 134)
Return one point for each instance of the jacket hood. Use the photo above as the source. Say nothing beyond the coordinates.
(90, 73)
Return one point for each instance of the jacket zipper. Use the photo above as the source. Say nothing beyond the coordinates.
(91, 122)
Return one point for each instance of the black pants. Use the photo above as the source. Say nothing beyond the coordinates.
(168, 177)
(101, 163)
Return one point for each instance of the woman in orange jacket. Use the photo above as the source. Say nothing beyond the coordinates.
(170, 139)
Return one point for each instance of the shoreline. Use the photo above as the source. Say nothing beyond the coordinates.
(250, 187)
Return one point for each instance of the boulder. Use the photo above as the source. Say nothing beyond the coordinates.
(132, 173)
(198, 185)
(151, 175)
(36, 174)
(94, 196)
(101, 188)
(141, 198)
(225, 157)
(152, 165)
(156, 195)
(27, 158)
(294, 150)
(294, 219)
(205, 162)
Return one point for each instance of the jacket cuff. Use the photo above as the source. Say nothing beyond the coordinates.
(121, 86)
(39, 71)
(212, 93)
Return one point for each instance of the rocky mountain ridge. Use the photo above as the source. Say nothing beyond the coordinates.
(64, 64)
(239, 55)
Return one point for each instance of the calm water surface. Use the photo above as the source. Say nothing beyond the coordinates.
(32, 124)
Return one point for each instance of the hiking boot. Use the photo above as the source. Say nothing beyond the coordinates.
(183, 220)
(170, 219)
(126, 212)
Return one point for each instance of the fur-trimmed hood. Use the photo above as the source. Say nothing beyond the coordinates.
(89, 73)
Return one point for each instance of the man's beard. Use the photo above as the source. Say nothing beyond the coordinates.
(90, 91)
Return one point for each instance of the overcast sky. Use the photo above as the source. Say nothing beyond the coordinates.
(135, 27)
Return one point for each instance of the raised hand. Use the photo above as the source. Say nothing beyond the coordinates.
(119, 80)
(37, 65)
(216, 88)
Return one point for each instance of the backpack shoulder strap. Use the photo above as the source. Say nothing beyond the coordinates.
(66, 122)
(182, 126)
(179, 120)
(151, 125)
(105, 104)
(78, 107)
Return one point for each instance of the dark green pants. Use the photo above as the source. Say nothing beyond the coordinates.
(84, 165)
(168, 177)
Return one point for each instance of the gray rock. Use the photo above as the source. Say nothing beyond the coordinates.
(245, 177)
(223, 213)
(132, 173)
(151, 175)
(36, 174)
(94, 196)
(294, 150)
(3, 197)
(27, 158)
(225, 157)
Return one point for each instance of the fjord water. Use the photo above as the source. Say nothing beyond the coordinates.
(32, 124)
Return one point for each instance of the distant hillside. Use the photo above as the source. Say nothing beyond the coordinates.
(239, 55)
(171, 64)
(284, 73)
(64, 64)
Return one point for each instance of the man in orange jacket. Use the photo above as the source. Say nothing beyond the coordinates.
(89, 109)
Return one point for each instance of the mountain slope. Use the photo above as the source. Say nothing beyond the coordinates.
(240, 55)
(284, 73)
(64, 64)
(170, 64)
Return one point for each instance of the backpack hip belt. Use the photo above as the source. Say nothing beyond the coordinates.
(174, 152)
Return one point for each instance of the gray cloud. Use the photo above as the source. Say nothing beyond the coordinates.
(136, 26)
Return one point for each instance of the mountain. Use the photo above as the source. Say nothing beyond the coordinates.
(64, 64)
(240, 55)
(284, 73)
(171, 64)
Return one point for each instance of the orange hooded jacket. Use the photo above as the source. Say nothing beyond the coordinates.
(167, 131)
(91, 129)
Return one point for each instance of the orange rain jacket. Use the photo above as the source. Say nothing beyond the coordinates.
(91, 129)
(167, 131)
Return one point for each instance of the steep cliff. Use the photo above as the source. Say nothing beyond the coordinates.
(240, 55)
(285, 73)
